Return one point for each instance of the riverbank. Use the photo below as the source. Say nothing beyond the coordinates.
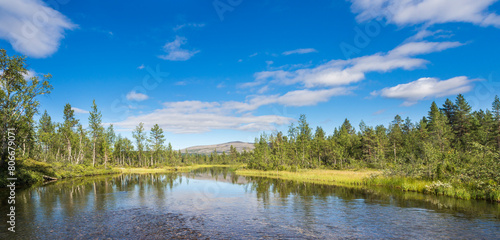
(321, 176)
(29, 172)
(370, 177)
(172, 169)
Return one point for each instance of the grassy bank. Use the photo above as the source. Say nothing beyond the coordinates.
(367, 177)
(170, 169)
(329, 177)
(29, 172)
(457, 190)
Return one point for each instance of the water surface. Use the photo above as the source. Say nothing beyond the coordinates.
(218, 204)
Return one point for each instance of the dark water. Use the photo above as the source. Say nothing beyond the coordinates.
(217, 204)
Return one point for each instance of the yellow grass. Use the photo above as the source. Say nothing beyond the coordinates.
(170, 169)
(330, 177)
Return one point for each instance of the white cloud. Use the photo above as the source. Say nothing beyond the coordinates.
(30, 74)
(198, 116)
(175, 52)
(300, 51)
(411, 12)
(221, 85)
(32, 27)
(176, 122)
(181, 83)
(135, 96)
(141, 67)
(425, 88)
(310, 97)
(344, 72)
(181, 26)
(424, 33)
(78, 110)
(417, 48)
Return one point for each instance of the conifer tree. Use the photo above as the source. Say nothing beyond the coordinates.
(96, 130)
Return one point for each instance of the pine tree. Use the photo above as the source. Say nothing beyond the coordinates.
(438, 127)
(140, 137)
(304, 137)
(448, 110)
(461, 121)
(157, 139)
(396, 135)
(319, 144)
(96, 130)
(368, 141)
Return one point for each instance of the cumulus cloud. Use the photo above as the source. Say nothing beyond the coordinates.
(32, 27)
(174, 52)
(135, 96)
(344, 72)
(425, 88)
(411, 12)
(300, 51)
(78, 110)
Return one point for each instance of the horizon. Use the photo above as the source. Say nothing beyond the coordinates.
(214, 70)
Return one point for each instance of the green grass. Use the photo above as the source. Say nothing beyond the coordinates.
(170, 169)
(72, 170)
(455, 190)
(329, 177)
(367, 177)
(30, 172)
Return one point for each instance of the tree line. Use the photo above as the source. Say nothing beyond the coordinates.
(69, 142)
(451, 143)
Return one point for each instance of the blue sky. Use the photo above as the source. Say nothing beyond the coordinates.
(216, 71)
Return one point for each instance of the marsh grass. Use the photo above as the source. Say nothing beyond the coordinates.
(172, 169)
(368, 177)
(329, 177)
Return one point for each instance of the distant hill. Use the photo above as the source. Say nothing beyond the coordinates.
(223, 147)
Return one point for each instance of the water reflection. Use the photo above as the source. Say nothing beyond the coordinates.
(218, 203)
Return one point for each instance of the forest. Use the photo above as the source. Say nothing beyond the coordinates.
(451, 145)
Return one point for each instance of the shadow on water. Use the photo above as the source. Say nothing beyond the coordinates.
(158, 206)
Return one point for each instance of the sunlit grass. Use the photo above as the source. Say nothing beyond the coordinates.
(330, 177)
(367, 177)
(171, 169)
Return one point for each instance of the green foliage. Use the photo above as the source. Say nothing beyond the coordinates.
(453, 150)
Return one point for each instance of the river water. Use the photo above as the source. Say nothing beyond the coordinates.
(215, 203)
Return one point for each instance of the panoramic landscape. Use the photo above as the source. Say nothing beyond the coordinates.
(250, 119)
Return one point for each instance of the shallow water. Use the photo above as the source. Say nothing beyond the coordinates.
(218, 204)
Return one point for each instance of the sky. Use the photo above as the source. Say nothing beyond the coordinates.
(227, 70)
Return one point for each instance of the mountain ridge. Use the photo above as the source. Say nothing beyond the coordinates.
(221, 147)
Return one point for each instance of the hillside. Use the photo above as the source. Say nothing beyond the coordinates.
(223, 147)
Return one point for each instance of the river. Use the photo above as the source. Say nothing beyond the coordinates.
(215, 203)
